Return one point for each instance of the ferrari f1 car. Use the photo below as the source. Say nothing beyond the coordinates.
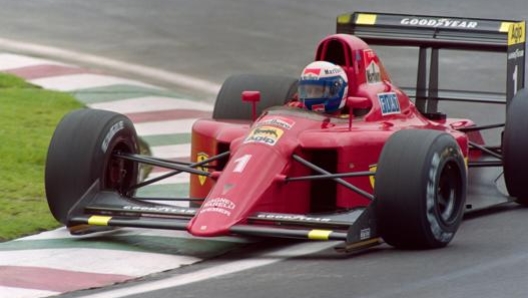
(392, 168)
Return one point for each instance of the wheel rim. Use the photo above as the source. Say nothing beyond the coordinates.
(119, 173)
(449, 193)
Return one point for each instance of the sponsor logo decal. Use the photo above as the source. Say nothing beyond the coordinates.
(311, 73)
(373, 73)
(278, 121)
(364, 234)
(516, 33)
(332, 71)
(199, 158)
(293, 217)
(372, 69)
(439, 23)
(516, 54)
(389, 103)
(318, 107)
(111, 133)
(218, 205)
(160, 209)
(268, 135)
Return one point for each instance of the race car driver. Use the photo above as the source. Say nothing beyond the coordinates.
(323, 87)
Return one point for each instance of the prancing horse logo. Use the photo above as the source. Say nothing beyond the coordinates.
(201, 157)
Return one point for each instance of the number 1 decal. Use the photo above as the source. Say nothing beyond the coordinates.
(241, 163)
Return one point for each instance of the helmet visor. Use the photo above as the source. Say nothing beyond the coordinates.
(311, 89)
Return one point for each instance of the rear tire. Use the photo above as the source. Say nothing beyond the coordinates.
(420, 189)
(274, 90)
(515, 147)
(81, 151)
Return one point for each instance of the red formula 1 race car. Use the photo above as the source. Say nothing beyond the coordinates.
(390, 168)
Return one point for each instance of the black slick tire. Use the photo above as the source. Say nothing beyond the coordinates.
(81, 151)
(515, 147)
(420, 189)
(274, 90)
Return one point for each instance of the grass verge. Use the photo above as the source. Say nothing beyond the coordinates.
(28, 117)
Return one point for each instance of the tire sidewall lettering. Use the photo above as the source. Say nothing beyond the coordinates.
(114, 129)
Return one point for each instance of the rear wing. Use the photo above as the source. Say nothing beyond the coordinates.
(433, 33)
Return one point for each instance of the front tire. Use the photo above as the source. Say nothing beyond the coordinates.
(81, 151)
(420, 190)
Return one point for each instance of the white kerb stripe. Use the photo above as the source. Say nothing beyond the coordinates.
(164, 127)
(108, 261)
(180, 178)
(153, 73)
(25, 293)
(12, 61)
(171, 151)
(214, 272)
(83, 81)
(151, 104)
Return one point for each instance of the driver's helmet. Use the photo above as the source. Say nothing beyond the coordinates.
(323, 87)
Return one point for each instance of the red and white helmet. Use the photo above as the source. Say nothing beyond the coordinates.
(323, 87)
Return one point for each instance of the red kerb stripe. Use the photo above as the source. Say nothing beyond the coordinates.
(46, 70)
(54, 279)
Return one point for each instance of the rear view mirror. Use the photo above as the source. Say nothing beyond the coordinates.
(253, 97)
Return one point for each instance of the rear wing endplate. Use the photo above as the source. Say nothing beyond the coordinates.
(434, 33)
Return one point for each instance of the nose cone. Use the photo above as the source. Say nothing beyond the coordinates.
(209, 228)
(247, 185)
(214, 218)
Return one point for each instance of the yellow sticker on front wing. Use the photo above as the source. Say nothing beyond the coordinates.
(98, 220)
(319, 234)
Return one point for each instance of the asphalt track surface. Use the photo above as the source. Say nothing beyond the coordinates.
(213, 39)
